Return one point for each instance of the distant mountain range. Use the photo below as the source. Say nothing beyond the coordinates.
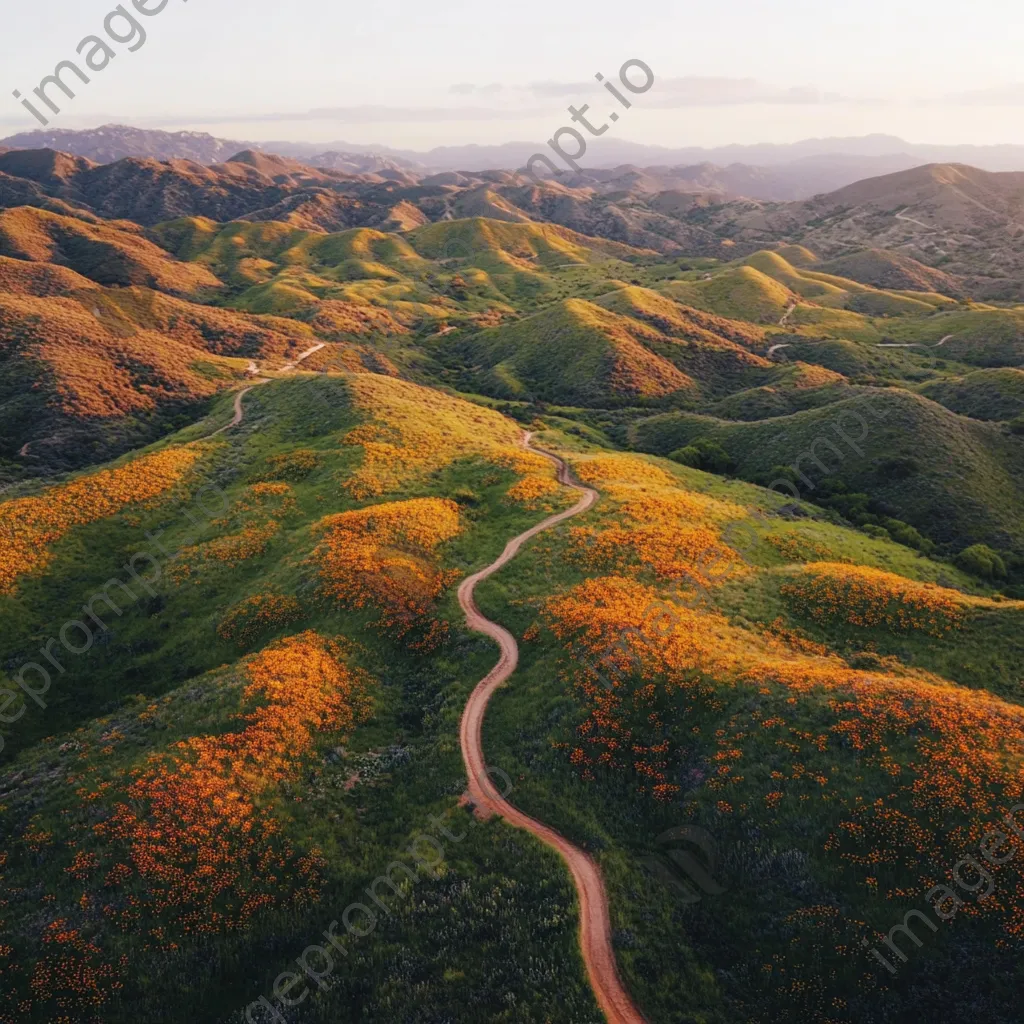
(114, 142)
(769, 172)
(961, 219)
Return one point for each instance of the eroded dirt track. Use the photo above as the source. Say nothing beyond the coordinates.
(595, 923)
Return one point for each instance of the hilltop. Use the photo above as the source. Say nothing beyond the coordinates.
(947, 228)
(958, 218)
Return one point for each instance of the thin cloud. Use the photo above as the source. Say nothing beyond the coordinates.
(468, 89)
(340, 115)
(559, 89)
(372, 115)
(693, 91)
(354, 115)
(1011, 95)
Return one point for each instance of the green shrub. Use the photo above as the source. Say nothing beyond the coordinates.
(897, 469)
(466, 496)
(981, 560)
(851, 506)
(706, 455)
(904, 533)
(688, 456)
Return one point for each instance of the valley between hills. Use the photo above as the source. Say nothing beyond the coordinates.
(286, 450)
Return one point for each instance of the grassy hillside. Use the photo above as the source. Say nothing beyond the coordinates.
(892, 271)
(233, 662)
(978, 336)
(865, 363)
(78, 386)
(810, 749)
(766, 288)
(741, 293)
(111, 254)
(305, 623)
(774, 400)
(835, 291)
(574, 353)
(982, 395)
(970, 470)
(309, 639)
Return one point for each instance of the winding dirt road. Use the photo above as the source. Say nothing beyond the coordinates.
(595, 923)
(253, 368)
(239, 411)
(288, 367)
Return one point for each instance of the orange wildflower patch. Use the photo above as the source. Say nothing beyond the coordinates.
(944, 761)
(260, 502)
(260, 498)
(384, 556)
(198, 832)
(660, 506)
(694, 554)
(622, 469)
(72, 972)
(532, 490)
(292, 466)
(861, 596)
(962, 774)
(248, 620)
(634, 657)
(231, 550)
(413, 431)
(29, 526)
(649, 493)
(659, 527)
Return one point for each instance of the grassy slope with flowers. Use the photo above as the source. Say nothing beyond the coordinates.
(805, 713)
(284, 711)
(244, 749)
(243, 752)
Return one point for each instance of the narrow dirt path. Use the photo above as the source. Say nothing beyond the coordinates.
(902, 215)
(595, 922)
(239, 410)
(253, 368)
(305, 355)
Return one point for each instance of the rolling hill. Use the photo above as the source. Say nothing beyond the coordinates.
(768, 720)
(914, 457)
(893, 271)
(114, 254)
(957, 218)
(575, 353)
(982, 395)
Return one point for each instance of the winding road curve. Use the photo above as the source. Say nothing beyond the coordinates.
(239, 411)
(595, 922)
(253, 368)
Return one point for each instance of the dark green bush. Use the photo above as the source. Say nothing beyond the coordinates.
(981, 560)
(706, 455)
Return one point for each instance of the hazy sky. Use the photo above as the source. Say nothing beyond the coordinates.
(415, 74)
